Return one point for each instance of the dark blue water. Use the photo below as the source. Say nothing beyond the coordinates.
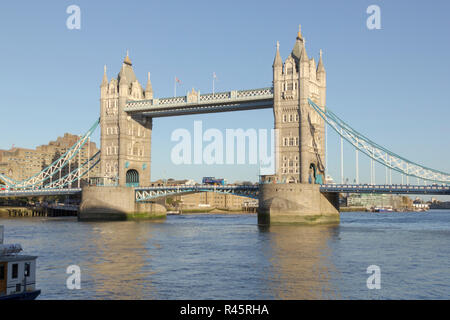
(230, 257)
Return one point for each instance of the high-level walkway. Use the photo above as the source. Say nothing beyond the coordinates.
(238, 100)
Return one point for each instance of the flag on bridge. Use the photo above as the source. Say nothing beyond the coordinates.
(175, 86)
(214, 78)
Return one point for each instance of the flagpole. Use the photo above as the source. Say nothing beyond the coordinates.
(175, 87)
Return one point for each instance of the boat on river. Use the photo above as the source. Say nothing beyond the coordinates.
(17, 273)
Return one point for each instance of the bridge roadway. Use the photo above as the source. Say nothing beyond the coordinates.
(237, 100)
(39, 192)
(251, 191)
(394, 188)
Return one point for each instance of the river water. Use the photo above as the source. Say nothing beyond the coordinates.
(229, 257)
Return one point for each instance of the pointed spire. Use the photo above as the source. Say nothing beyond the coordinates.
(297, 50)
(304, 56)
(123, 77)
(149, 89)
(105, 78)
(320, 67)
(277, 62)
(127, 59)
(299, 33)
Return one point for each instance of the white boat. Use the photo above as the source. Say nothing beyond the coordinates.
(17, 273)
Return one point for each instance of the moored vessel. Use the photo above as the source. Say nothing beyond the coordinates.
(17, 273)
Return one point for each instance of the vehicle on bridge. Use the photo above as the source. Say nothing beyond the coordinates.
(213, 181)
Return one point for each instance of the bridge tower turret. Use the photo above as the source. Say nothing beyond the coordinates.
(125, 140)
(300, 150)
(300, 144)
(149, 89)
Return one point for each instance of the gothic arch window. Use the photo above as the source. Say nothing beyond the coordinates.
(291, 142)
(136, 149)
(288, 68)
(291, 180)
(132, 178)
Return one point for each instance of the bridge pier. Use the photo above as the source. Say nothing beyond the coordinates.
(297, 203)
(115, 203)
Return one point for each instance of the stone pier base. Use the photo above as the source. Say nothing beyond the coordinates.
(296, 203)
(115, 203)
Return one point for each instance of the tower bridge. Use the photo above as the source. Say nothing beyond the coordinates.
(296, 192)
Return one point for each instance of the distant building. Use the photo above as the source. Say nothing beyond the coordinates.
(21, 163)
(203, 200)
(206, 200)
(368, 200)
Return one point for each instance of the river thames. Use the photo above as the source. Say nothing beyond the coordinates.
(229, 257)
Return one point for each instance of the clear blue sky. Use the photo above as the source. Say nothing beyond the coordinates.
(391, 84)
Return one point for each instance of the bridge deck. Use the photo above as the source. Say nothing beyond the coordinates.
(39, 192)
(395, 188)
(205, 103)
(248, 191)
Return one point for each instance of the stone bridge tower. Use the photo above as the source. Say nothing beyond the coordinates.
(300, 152)
(300, 144)
(125, 140)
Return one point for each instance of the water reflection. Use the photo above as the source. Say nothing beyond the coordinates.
(120, 269)
(302, 261)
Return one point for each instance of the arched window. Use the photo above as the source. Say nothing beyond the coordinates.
(132, 178)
